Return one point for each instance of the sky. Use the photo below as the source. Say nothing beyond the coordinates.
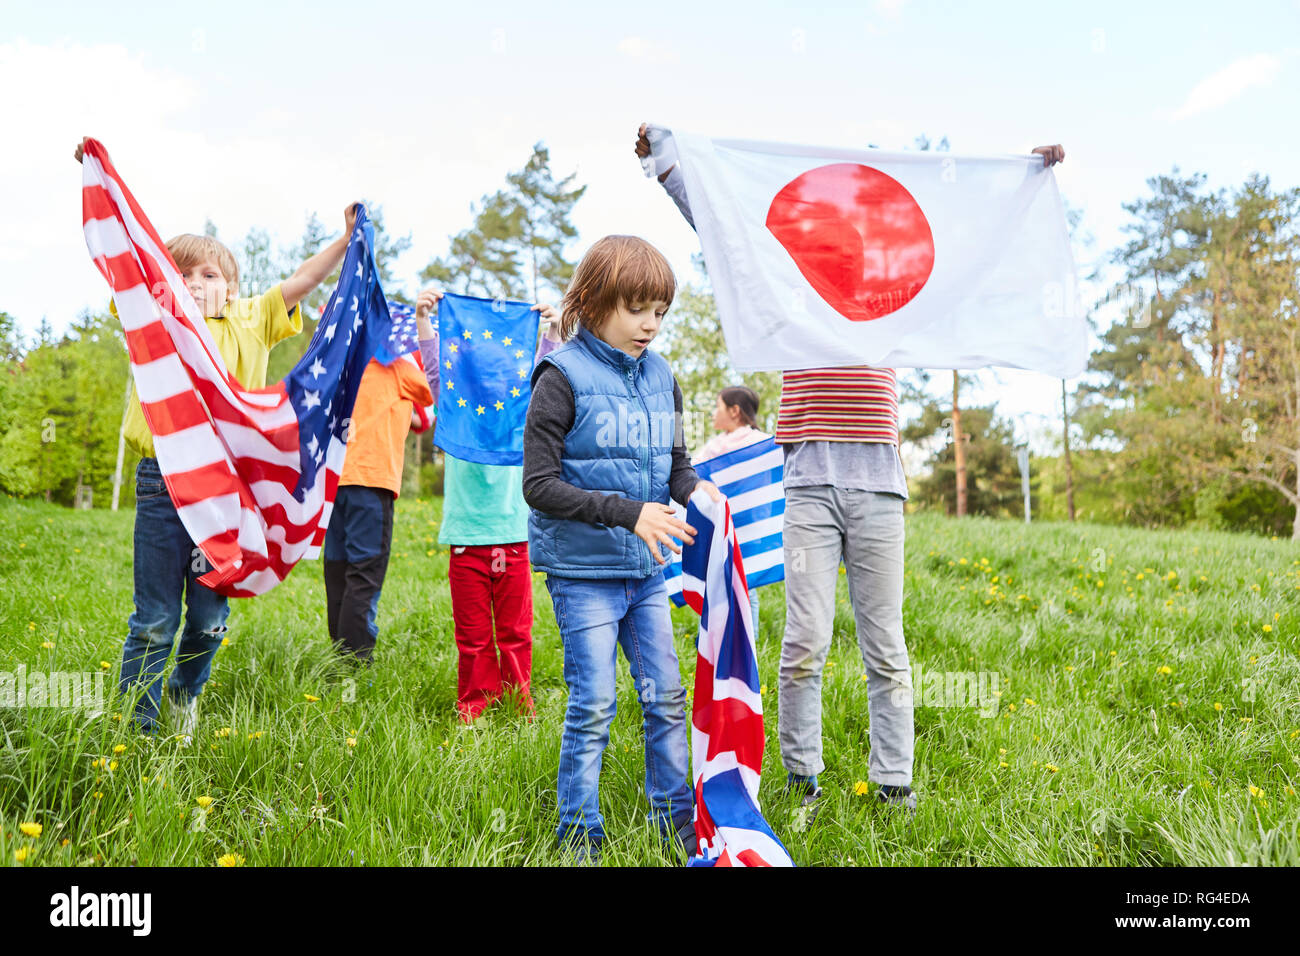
(258, 114)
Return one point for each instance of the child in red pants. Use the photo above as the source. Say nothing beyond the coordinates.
(485, 521)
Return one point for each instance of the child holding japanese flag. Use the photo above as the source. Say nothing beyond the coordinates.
(844, 491)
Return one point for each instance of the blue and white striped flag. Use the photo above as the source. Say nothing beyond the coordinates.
(751, 478)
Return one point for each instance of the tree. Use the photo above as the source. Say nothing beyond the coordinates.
(516, 246)
(994, 488)
(544, 206)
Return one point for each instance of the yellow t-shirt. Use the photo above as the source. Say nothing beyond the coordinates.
(244, 336)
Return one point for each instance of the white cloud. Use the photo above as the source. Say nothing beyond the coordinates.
(1229, 83)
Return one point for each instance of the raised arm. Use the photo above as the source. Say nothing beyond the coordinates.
(314, 271)
(671, 178)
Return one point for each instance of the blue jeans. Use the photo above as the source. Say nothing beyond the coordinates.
(596, 617)
(167, 565)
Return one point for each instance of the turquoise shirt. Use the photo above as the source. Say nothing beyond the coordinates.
(482, 504)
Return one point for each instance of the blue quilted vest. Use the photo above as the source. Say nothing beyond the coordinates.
(621, 442)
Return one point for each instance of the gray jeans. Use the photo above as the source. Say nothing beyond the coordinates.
(822, 525)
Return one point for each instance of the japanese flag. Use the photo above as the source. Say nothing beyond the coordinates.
(829, 257)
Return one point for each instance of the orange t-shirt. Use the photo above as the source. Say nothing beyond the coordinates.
(389, 398)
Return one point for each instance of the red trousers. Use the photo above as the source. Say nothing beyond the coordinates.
(492, 583)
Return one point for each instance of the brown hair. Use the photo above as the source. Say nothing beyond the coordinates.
(188, 249)
(616, 269)
(743, 398)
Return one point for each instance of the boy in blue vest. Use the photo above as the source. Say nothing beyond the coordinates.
(602, 455)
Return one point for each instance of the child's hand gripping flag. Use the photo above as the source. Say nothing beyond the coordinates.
(727, 716)
(751, 478)
(252, 472)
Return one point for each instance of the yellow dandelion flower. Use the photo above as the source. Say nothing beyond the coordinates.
(1069, 668)
(1029, 702)
(64, 842)
(223, 732)
(352, 741)
(1218, 706)
(225, 642)
(230, 859)
(1051, 767)
(21, 854)
(204, 801)
(98, 795)
(1011, 707)
(1003, 763)
(105, 665)
(1164, 669)
(860, 788)
(32, 830)
(310, 698)
(1256, 791)
(1141, 576)
(1268, 628)
(962, 561)
(48, 645)
(120, 748)
(1002, 750)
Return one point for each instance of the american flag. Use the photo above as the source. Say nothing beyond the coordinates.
(252, 472)
(407, 340)
(727, 735)
(751, 478)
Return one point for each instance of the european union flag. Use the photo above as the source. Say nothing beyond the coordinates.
(486, 348)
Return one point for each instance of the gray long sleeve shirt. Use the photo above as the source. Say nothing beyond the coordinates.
(550, 416)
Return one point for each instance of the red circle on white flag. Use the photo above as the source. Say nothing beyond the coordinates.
(857, 236)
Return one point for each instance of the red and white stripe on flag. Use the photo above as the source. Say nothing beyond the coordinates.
(229, 455)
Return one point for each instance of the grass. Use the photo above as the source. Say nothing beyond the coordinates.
(1154, 678)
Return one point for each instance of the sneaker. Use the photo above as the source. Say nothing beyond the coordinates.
(184, 718)
(684, 836)
(580, 850)
(897, 796)
(810, 793)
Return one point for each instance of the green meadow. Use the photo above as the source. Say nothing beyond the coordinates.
(1088, 696)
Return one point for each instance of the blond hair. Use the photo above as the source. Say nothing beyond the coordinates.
(616, 269)
(188, 249)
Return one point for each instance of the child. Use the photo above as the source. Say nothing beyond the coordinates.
(736, 417)
(166, 562)
(485, 522)
(391, 400)
(844, 489)
(602, 456)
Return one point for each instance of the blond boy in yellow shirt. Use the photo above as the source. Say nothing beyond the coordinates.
(167, 565)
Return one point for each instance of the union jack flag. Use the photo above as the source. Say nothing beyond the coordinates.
(252, 472)
(727, 715)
